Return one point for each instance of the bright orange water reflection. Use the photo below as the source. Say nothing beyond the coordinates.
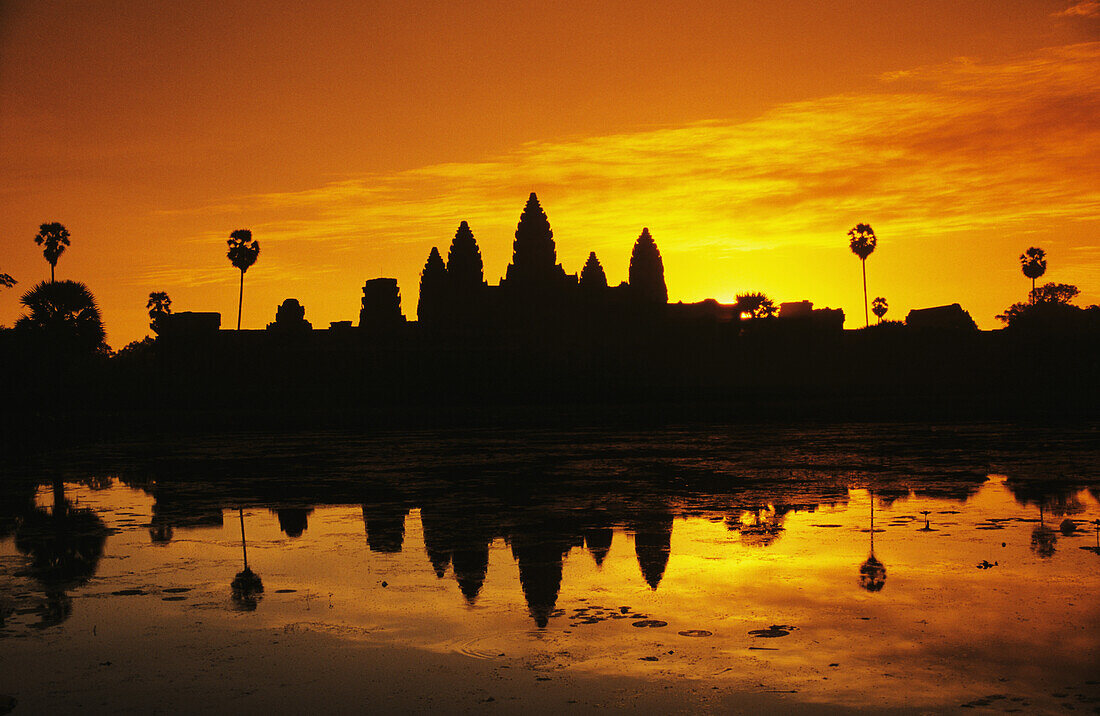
(779, 597)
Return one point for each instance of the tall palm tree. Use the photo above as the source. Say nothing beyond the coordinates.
(1033, 263)
(242, 254)
(159, 306)
(54, 238)
(879, 307)
(64, 312)
(862, 242)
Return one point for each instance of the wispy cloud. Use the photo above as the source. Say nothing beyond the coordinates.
(1088, 8)
(1008, 148)
(932, 150)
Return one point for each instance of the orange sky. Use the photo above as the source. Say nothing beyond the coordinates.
(351, 138)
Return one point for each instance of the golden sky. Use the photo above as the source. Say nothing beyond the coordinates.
(353, 136)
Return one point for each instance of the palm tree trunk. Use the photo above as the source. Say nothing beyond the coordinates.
(1033, 291)
(866, 318)
(52, 281)
(240, 302)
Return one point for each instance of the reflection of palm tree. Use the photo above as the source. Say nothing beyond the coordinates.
(1033, 263)
(247, 586)
(1043, 537)
(872, 573)
(862, 242)
(65, 545)
(242, 254)
(54, 238)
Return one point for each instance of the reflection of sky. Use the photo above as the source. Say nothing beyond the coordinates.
(946, 629)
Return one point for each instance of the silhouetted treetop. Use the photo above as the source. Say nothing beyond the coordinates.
(1033, 262)
(879, 307)
(1056, 293)
(160, 306)
(53, 237)
(862, 241)
(65, 313)
(756, 304)
(243, 251)
(647, 271)
(592, 275)
(464, 265)
(433, 288)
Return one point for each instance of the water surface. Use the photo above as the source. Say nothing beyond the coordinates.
(901, 567)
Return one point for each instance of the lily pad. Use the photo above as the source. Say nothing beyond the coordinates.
(650, 623)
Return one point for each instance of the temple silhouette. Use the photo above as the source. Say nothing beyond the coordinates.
(536, 295)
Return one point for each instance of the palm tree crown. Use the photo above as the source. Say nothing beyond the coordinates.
(242, 249)
(7, 281)
(159, 306)
(54, 238)
(862, 241)
(63, 310)
(879, 307)
(1033, 263)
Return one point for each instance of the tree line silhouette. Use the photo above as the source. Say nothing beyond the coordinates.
(542, 334)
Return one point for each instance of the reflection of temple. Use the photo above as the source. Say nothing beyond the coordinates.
(464, 512)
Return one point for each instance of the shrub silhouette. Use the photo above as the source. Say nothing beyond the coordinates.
(757, 305)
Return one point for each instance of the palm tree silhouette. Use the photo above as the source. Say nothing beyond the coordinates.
(54, 237)
(7, 281)
(862, 242)
(1033, 263)
(159, 306)
(879, 307)
(242, 254)
(63, 311)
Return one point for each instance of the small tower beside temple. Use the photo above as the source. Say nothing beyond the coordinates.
(381, 304)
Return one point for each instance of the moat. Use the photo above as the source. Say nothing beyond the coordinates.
(686, 567)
